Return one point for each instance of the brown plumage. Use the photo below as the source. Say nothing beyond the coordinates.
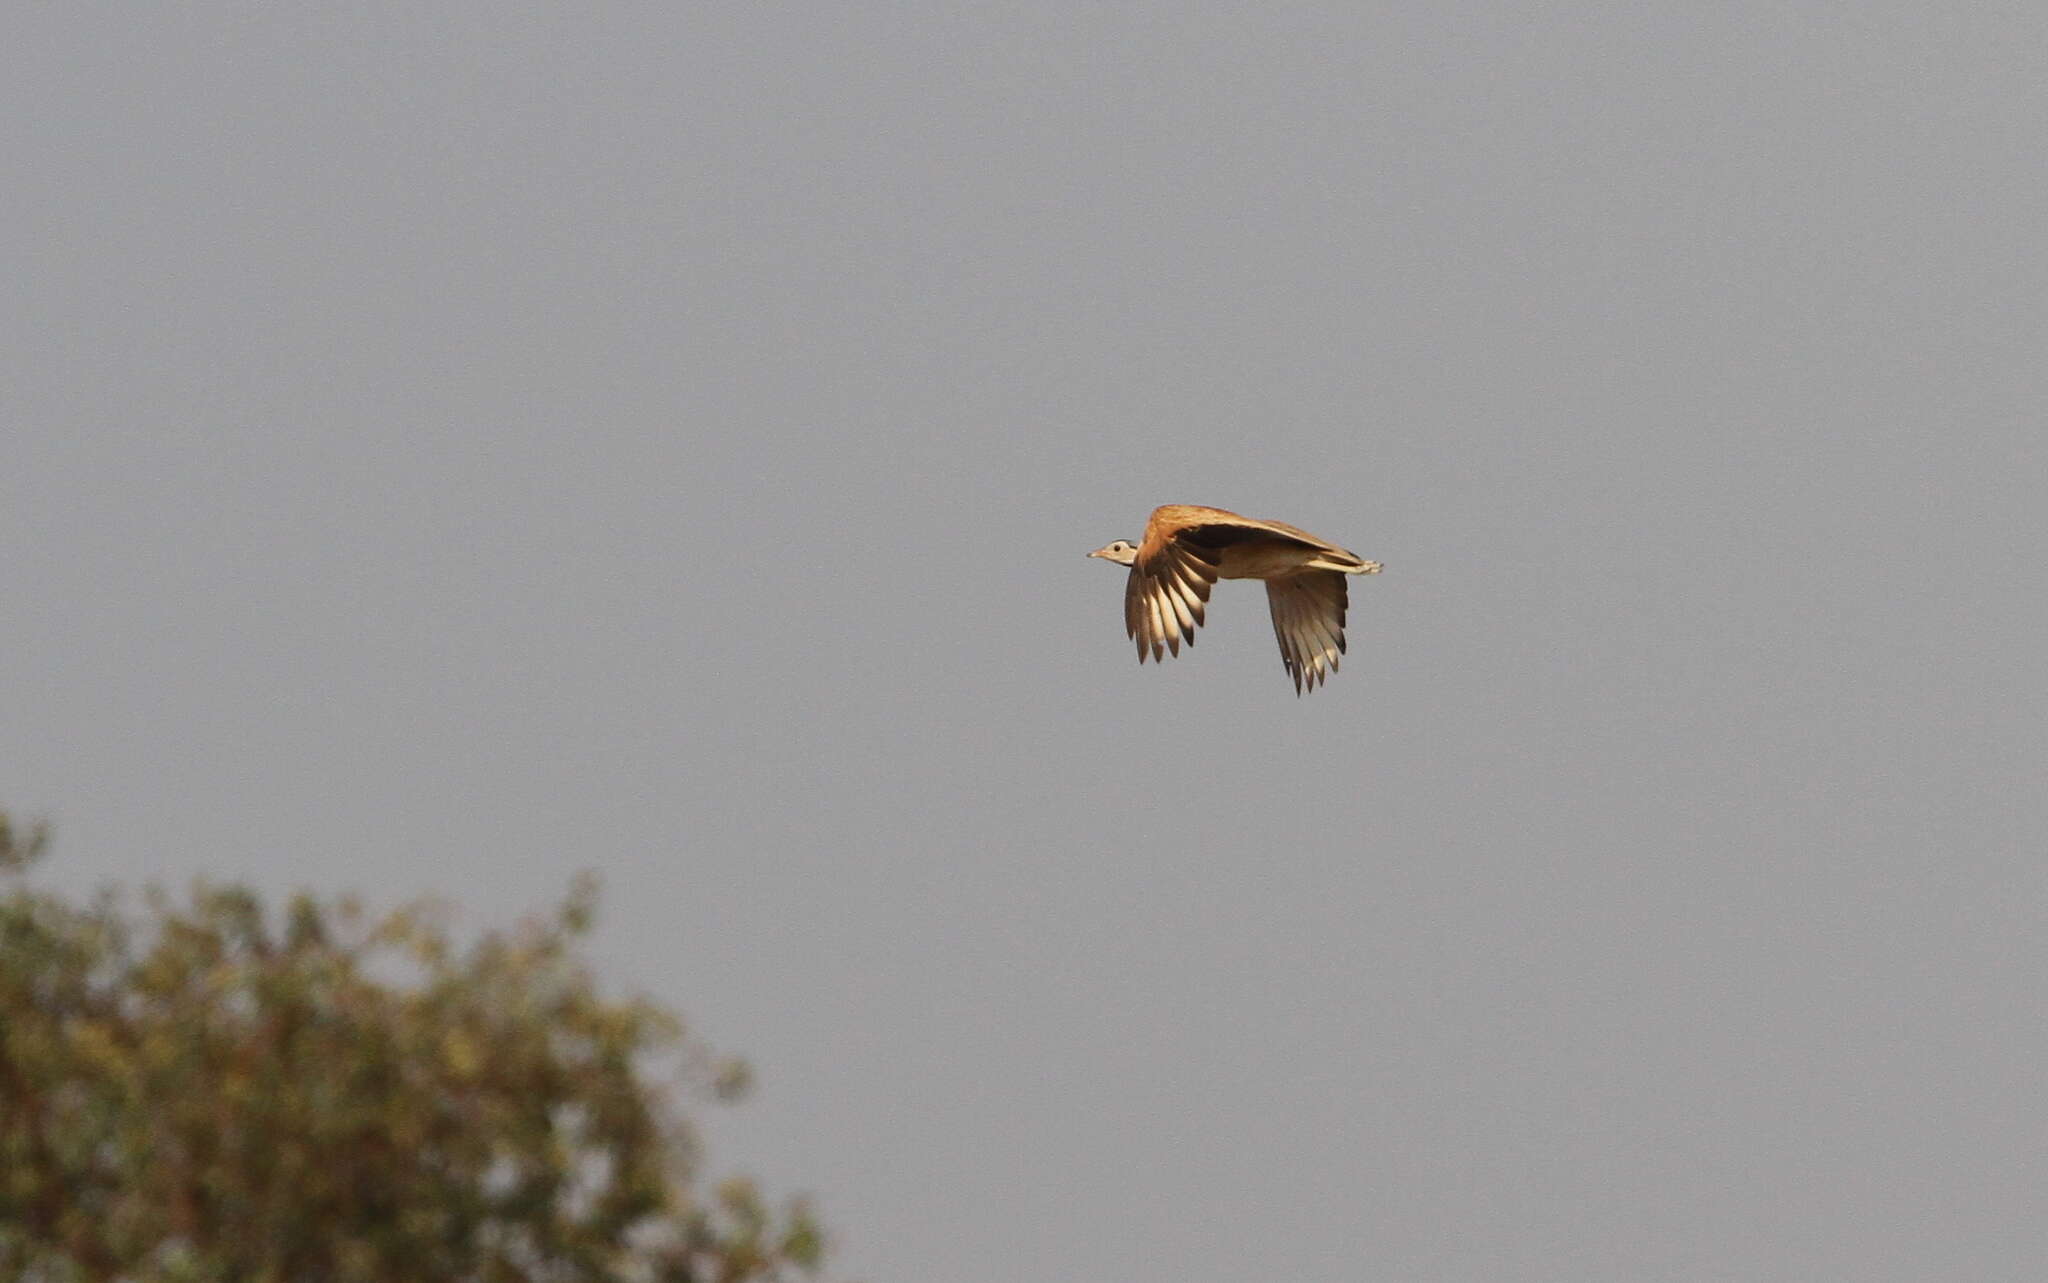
(1186, 549)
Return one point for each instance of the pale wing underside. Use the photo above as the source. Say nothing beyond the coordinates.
(1308, 618)
(1165, 600)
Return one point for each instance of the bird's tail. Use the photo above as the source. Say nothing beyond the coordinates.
(1345, 563)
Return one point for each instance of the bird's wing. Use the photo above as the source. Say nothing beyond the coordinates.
(1216, 528)
(1308, 618)
(1164, 599)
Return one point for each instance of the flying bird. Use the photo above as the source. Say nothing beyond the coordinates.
(1186, 549)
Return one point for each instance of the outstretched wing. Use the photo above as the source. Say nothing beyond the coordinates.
(1308, 618)
(1165, 599)
(1213, 529)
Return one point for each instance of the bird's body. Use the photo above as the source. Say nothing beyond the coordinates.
(1186, 549)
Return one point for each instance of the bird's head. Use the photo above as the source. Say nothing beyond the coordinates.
(1121, 553)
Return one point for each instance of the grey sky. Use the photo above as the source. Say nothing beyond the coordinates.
(449, 446)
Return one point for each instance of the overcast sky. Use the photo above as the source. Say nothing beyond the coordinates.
(449, 446)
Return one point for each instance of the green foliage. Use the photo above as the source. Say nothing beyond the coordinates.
(210, 1091)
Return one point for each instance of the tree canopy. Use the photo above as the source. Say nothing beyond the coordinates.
(207, 1089)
